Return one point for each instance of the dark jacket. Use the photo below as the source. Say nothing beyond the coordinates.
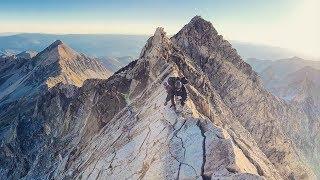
(172, 91)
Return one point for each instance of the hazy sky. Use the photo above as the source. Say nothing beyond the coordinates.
(293, 24)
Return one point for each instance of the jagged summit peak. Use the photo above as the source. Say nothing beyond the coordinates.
(55, 45)
(159, 31)
(63, 64)
(199, 25)
(198, 32)
(200, 40)
(57, 42)
(58, 50)
(197, 18)
(156, 44)
(160, 36)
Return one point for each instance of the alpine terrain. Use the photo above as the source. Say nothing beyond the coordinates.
(63, 117)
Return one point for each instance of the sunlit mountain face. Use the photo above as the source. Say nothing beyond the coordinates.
(151, 90)
(66, 115)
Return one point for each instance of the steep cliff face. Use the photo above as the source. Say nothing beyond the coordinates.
(262, 114)
(119, 128)
(24, 84)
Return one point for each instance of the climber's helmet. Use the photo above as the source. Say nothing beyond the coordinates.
(178, 85)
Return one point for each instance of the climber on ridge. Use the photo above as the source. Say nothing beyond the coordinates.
(175, 87)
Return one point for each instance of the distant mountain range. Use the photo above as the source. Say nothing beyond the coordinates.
(300, 85)
(92, 45)
(8, 33)
(274, 71)
(297, 81)
(260, 51)
(279, 66)
(290, 78)
(115, 63)
(108, 45)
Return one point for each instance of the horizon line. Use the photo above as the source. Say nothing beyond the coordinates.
(53, 33)
(124, 34)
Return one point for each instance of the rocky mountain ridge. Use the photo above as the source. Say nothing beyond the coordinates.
(58, 63)
(27, 54)
(273, 71)
(230, 128)
(75, 67)
(243, 92)
(24, 82)
(299, 85)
